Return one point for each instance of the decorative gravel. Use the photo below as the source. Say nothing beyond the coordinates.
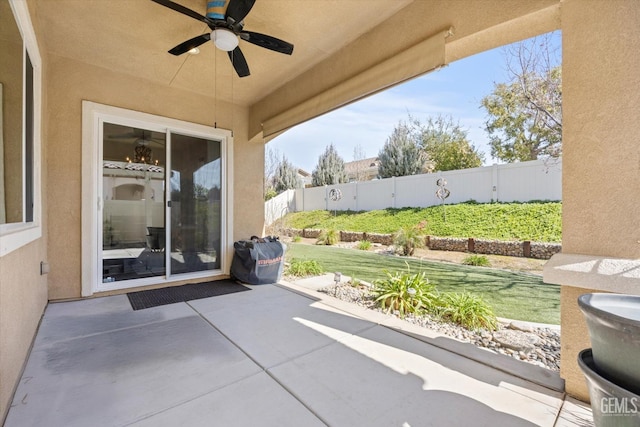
(539, 346)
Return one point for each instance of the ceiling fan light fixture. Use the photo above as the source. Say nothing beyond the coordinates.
(224, 39)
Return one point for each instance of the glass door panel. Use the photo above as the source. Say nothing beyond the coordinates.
(133, 194)
(195, 204)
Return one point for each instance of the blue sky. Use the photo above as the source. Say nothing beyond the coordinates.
(454, 90)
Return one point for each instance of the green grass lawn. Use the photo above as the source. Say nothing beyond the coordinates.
(538, 222)
(511, 295)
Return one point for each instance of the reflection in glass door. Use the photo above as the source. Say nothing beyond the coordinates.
(133, 194)
(195, 184)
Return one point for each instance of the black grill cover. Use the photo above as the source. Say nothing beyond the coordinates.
(258, 261)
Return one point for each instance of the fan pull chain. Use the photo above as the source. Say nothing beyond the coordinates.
(215, 90)
(232, 99)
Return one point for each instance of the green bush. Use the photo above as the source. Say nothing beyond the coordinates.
(364, 245)
(304, 267)
(467, 310)
(328, 237)
(393, 292)
(296, 238)
(410, 238)
(477, 260)
(270, 194)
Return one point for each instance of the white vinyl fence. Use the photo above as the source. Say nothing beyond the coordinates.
(279, 206)
(514, 182)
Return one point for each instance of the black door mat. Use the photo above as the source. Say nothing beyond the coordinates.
(155, 297)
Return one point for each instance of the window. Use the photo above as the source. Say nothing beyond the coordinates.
(20, 92)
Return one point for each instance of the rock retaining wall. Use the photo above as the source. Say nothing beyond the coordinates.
(447, 244)
(490, 247)
(544, 250)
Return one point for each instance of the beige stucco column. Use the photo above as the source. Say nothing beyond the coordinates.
(601, 165)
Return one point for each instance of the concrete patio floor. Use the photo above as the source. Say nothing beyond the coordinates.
(278, 355)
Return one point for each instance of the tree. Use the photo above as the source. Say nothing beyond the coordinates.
(447, 145)
(401, 155)
(330, 169)
(285, 176)
(271, 162)
(359, 154)
(525, 114)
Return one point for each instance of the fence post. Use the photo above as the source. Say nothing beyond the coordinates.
(494, 182)
(356, 196)
(393, 195)
(326, 197)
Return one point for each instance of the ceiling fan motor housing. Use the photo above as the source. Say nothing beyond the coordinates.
(216, 9)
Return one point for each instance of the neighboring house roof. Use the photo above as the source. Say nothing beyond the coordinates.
(303, 173)
(362, 170)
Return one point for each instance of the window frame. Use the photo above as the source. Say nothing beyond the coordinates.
(18, 234)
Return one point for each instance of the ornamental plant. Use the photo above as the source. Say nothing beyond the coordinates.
(410, 238)
(304, 267)
(468, 310)
(405, 292)
(328, 237)
(477, 260)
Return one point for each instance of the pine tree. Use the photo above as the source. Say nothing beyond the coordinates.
(330, 169)
(401, 155)
(285, 176)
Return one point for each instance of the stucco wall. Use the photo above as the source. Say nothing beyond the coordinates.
(23, 292)
(71, 82)
(601, 144)
(601, 136)
(574, 339)
(23, 296)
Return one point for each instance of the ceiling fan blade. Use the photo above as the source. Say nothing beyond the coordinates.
(267, 42)
(239, 62)
(184, 10)
(190, 44)
(239, 9)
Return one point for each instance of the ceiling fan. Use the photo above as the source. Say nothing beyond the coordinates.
(225, 18)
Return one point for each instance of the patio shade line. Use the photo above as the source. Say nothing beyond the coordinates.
(419, 59)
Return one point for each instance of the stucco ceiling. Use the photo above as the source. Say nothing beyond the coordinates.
(133, 36)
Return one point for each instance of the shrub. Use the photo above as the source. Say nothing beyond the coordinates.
(270, 194)
(410, 238)
(364, 245)
(468, 310)
(393, 293)
(296, 238)
(302, 268)
(477, 260)
(328, 237)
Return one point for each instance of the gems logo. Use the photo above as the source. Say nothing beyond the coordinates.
(613, 406)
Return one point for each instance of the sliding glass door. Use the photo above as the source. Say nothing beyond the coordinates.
(133, 194)
(195, 191)
(161, 205)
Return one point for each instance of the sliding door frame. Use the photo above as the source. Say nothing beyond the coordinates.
(94, 115)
